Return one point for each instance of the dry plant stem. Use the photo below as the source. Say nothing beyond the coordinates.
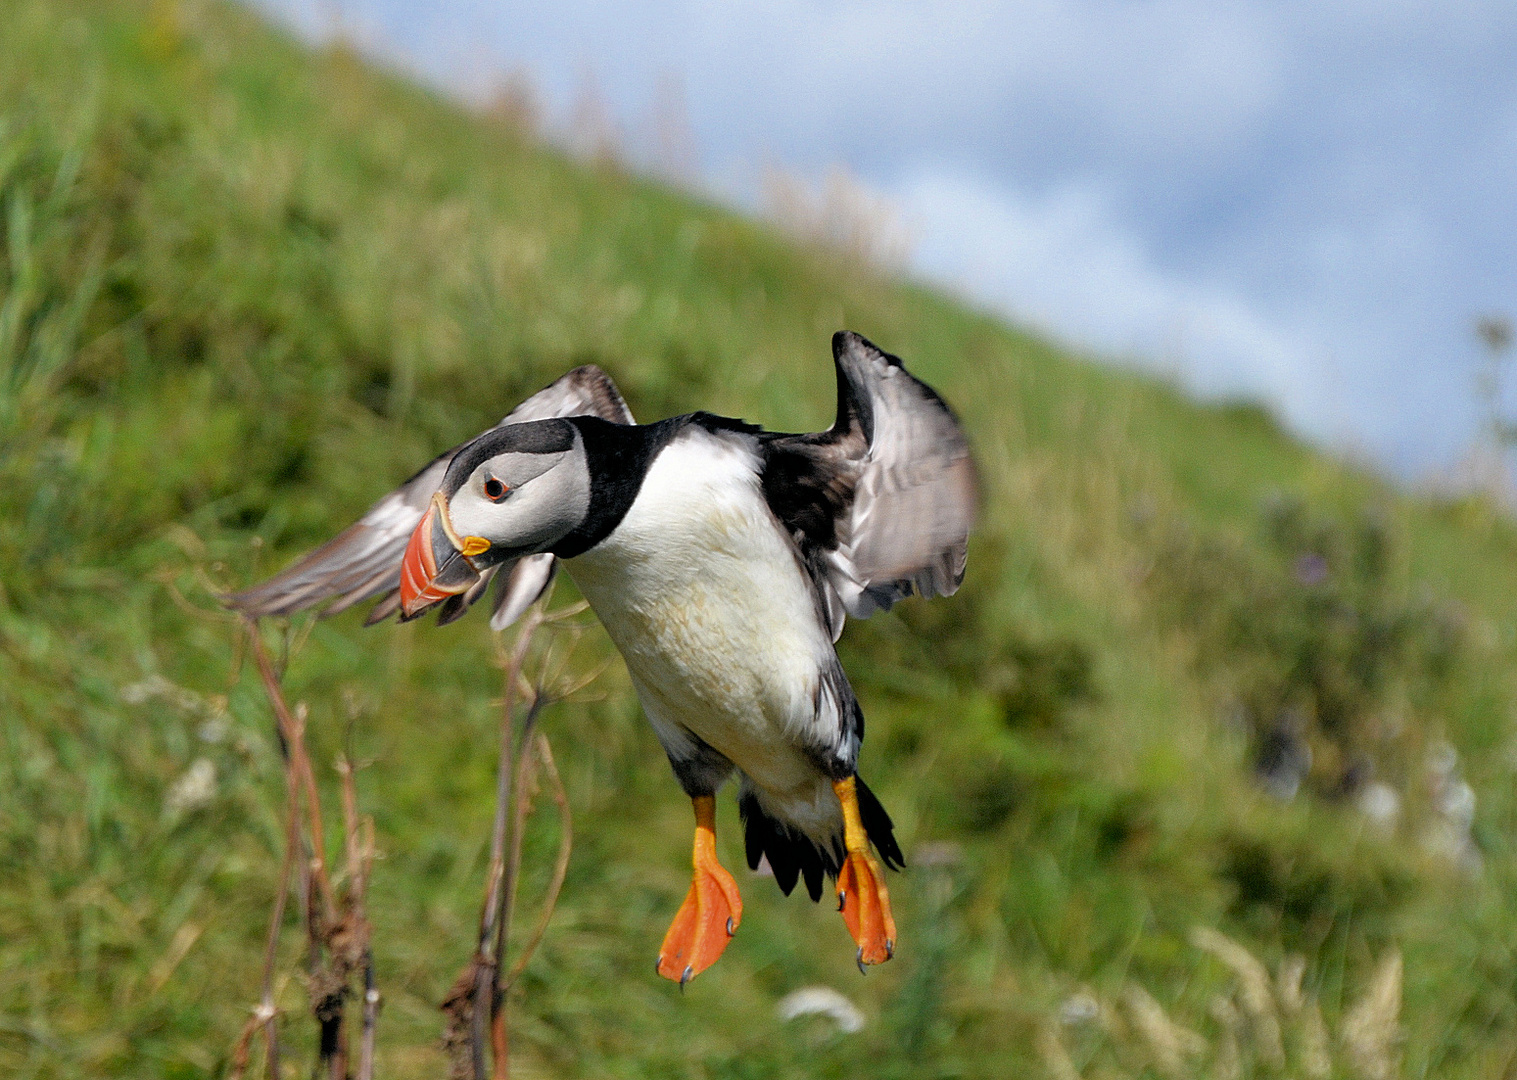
(526, 771)
(292, 730)
(500, 1048)
(486, 960)
(324, 924)
(482, 984)
(241, 1048)
(323, 928)
(370, 1018)
(267, 1007)
(266, 1015)
(560, 868)
(355, 923)
(360, 863)
(500, 1045)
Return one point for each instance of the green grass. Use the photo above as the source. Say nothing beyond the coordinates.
(245, 288)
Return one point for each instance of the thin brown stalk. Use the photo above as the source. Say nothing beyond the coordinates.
(243, 1047)
(354, 948)
(266, 1015)
(351, 825)
(183, 603)
(268, 1012)
(526, 771)
(318, 842)
(500, 1047)
(328, 977)
(560, 868)
(475, 1006)
(483, 968)
(370, 1018)
(565, 613)
(292, 729)
(342, 933)
(371, 996)
(491, 911)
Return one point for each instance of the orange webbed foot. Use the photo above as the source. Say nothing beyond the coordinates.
(865, 904)
(862, 896)
(712, 910)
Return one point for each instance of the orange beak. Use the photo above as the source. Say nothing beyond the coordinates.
(436, 564)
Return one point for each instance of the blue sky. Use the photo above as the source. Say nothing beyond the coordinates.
(1303, 203)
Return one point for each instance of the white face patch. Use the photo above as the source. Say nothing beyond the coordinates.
(538, 499)
(512, 471)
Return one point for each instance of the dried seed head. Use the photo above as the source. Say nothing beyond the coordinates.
(1227, 1062)
(1371, 1031)
(1316, 1062)
(1254, 992)
(1288, 983)
(1168, 1043)
(1055, 1058)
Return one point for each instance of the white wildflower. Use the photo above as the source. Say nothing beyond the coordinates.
(194, 789)
(821, 1001)
(156, 687)
(1079, 1008)
(1380, 803)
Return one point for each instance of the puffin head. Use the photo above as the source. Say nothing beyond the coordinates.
(516, 490)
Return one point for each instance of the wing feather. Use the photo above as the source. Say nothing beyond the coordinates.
(363, 560)
(882, 503)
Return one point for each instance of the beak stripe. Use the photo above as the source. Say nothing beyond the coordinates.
(440, 507)
(418, 568)
(419, 587)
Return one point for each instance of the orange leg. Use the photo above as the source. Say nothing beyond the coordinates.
(862, 896)
(711, 912)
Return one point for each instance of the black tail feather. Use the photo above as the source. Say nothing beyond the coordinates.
(878, 826)
(794, 856)
(791, 854)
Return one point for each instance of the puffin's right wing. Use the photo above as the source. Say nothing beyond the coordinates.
(363, 560)
(881, 504)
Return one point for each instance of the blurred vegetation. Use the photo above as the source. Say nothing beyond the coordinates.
(1333, 671)
(246, 287)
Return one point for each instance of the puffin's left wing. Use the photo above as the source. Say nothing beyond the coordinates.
(882, 503)
(363, 560)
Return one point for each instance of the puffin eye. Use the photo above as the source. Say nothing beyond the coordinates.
(495, 490)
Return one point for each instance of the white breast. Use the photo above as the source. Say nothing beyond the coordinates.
(710, 607)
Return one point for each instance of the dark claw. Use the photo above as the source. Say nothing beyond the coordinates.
(842, 899)
(730, 929)
(859, 959)
(889, 949)
(658, 964)
(685, 977)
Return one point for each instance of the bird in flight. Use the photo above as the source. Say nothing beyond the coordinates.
(722, 560)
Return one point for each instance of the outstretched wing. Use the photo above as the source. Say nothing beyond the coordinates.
(881, 503)
(363, 560)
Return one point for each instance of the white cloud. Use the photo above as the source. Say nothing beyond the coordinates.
(1064, 262)
(1305, 201)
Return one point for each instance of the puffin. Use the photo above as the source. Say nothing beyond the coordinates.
(722, 561)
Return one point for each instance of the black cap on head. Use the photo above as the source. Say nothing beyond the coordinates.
(533, 437)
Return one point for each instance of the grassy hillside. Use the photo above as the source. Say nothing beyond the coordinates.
(246, 288)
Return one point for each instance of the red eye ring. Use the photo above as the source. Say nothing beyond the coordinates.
(495, 490)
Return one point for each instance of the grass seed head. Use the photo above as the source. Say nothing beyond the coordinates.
(1255, 994)
(1168, 1043)
(1371, 1032)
